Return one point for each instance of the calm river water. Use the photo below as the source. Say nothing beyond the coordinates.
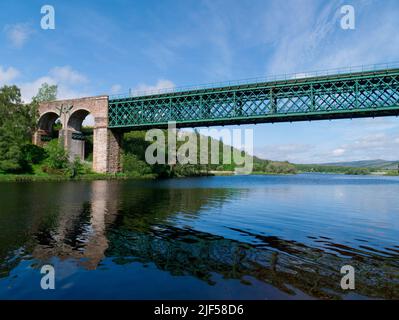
(240, 237)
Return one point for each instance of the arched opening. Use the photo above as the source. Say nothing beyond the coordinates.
(80, 128)
(49, 126)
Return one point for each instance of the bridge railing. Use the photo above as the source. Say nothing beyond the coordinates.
(273, 78)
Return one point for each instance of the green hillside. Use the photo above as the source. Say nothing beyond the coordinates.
(374, 164)
(134, 163)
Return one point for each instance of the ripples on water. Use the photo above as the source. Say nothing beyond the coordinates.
(253, 237)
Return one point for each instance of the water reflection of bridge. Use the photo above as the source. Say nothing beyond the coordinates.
(80, 233)
(136, 224)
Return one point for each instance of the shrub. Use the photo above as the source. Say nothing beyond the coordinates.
(358, 171)
(57, 156)
(132, 165)
(33, 154)
(76, 167)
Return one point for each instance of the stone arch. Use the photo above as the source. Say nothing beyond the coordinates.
(76, 119)
(77, 144)
(45, 127)
(47, 121)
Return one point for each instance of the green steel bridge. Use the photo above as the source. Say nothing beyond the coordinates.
(353, 93)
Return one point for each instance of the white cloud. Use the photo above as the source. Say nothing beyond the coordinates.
(304, 36)
(67, 75)
(380, 145)
(8, 75)
(338, 152)
(159, 86)
(69, 81)
(18, 34)
(30, 89)
(298, 34)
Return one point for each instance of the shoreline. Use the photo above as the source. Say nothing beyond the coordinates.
(123, 176)
(60, 178)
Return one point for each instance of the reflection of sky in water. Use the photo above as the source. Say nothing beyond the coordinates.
(345, 209)
(221, 237)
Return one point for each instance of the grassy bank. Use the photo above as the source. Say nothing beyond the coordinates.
(38, 174)
(311, 168)
(85, 177)
(261, 173)
(314, 168)
(392, 173)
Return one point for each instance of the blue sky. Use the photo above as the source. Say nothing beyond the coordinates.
(107, 47)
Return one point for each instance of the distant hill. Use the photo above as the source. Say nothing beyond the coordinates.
(135, 164)
(372, 164)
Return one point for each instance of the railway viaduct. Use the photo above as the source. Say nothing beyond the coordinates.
(351, 94)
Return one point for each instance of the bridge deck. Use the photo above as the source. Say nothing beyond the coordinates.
(351, 95)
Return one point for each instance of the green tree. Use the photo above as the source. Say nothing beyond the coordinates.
(357, 171)
(34, 154)
(17, 123)
(57, 157)
(280, 168)
(46, 93)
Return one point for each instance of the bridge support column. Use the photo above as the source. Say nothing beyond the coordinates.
(106, 150)
(37, 138)
(75, 147)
